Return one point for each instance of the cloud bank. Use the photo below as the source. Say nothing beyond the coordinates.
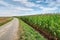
(28, 7)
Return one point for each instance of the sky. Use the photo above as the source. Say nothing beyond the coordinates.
(28, 7)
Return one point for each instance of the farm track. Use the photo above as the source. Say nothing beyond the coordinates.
(44, 33)
(9, 30)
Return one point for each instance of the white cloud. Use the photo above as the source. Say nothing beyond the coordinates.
(53, 3)
(58, 1)
(47, 9)
(12, 9)
(22, 8)
(5, 12)
(4, 3)
(18, 10)
(26, 3)
(38, 1)
(20, 0)
(30, 4)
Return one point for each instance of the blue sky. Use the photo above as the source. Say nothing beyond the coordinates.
(28, 7)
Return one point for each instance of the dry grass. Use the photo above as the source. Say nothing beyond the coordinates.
(3, 20)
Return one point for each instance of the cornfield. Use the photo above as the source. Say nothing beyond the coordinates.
(49, 22)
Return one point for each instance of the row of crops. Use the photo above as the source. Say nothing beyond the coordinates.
(28, 33)
(49, 22)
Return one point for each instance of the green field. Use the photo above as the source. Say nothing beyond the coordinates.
(4, 20)
(48, 22)
(26, 32)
